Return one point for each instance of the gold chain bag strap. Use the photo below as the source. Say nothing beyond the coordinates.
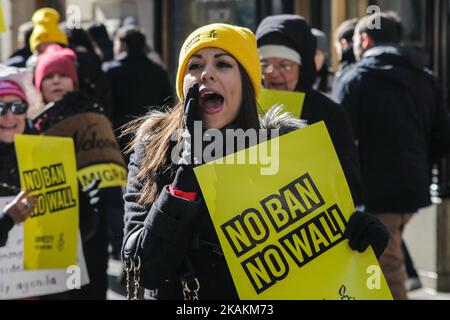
(190, 283)
(133, 275)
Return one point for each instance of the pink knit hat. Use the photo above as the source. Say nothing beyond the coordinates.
(55, 59)
(11, 88)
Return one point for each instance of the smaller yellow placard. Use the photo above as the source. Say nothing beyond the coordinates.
(291, 101)
(47, 167)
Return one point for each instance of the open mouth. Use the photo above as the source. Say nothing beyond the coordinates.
(13, 127)
(278, 86)
(57, 91)
(211, 102)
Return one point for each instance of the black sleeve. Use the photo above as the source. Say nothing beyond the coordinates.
(348, 98)
(159, 234)
(346, 149)
(6, 224)
(440, 124)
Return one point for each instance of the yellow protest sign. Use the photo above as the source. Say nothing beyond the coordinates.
(2, 20)
(47, 167)
(111, 175)
(291, 101)
(282, 234)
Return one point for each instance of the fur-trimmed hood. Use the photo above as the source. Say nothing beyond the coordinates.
(276, 118)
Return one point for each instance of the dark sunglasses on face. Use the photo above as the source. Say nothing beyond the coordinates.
(16, 107)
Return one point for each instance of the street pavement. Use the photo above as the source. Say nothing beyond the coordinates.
(116, 291)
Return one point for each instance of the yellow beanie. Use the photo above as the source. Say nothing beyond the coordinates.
(237, 41)
(46, 28)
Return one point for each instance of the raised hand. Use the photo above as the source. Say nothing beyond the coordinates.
(21, 207)
(191, 108)
(364, 229)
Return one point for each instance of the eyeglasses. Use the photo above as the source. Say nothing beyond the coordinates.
(16, 107)
(283, 67)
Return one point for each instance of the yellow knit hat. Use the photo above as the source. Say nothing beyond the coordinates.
(46, 28)
(237, 41)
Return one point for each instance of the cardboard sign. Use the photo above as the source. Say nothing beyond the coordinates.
(290, 101)
(282, 234)
(51, 232)
(16, 283)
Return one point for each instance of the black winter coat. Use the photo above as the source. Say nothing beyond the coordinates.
(137, 84)
(9, 186)
(400, 125)
(93, 80)
(161, 230)
(348, 59)
(9, 182)
(19, 58)
(318, 107)
(164, 233)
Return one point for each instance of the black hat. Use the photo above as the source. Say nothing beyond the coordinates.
(293, 32)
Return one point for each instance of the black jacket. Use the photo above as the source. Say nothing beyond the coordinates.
(9, 186)
(9, 182)
(317, 107)
(137, 84)
(93, 80)
(293, 31)
(9, 171)
(6, 224)
(19, 58)
(400, 125)
(165, 232)
(348, 59)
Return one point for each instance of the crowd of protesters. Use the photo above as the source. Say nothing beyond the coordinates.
(382, 109)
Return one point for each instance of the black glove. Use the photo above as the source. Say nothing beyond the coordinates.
(90, 204)
(191, 107)
(364, 229)
(185, 179)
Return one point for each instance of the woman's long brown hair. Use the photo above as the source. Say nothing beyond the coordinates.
(155, 130)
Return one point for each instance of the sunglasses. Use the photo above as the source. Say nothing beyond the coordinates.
(16, 107)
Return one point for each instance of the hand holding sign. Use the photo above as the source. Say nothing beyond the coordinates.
(21, 207)
(363, 230)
